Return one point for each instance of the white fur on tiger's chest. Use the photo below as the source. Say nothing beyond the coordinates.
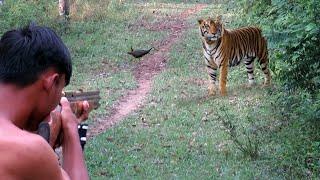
(211, 53)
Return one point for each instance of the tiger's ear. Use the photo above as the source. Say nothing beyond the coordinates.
(219, 18)
(220, 24)
(211, 21)
(200, 21)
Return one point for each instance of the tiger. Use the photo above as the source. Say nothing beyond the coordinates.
(224, 48)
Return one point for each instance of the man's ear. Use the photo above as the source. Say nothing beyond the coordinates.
(50, 80)
(200, 21)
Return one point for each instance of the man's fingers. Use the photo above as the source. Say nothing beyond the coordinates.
(81, 109)
(85, 105)
(58, 109)
(65, 104)
(85, 111)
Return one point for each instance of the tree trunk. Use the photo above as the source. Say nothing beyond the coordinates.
(64, 8)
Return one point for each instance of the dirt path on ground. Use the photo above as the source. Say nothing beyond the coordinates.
(147, 68)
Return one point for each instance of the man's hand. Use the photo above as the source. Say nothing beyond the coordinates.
(54, 122)
(81, 109)
(73, 161)
(69, 119)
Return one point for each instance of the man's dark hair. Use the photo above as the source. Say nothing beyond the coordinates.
(26, 53)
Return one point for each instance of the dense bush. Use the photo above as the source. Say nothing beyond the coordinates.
(293, 31)
(299, 137)
(294, 26)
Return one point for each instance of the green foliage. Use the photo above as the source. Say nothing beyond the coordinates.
(293, 32)
(303, 65)
(294, 28)
(299, 134)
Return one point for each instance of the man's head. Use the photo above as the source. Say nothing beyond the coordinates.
(34, 59)
(28, 52)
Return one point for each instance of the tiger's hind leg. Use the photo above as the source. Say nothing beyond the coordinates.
(264, 67)
(266, 71)
(249, 62)
(263, 60)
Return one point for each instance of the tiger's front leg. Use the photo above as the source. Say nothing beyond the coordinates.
(223, 78)
(212, 71)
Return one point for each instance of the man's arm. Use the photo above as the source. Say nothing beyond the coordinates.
(73, 160)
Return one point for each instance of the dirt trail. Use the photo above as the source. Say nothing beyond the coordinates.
(147, 68)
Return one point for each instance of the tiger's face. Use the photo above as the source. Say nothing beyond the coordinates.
(210, 30)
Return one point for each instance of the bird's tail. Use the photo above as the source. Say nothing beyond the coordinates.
(154, 48)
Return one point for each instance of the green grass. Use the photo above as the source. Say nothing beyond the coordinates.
(99, 50)
(99, 47)
(179, 133)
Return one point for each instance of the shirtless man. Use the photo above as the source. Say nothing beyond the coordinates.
(35, 66)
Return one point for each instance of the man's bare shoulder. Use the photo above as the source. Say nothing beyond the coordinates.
(27, 155)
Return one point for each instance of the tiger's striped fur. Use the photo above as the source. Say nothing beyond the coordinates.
(223, 48)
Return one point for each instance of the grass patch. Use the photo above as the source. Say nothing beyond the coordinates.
(179, 132)
(99, 48)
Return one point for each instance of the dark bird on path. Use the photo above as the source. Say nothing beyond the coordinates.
(138, 53)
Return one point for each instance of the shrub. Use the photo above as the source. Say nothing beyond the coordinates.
(293, 27)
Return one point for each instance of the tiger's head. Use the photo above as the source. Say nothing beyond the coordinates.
(211, 30)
